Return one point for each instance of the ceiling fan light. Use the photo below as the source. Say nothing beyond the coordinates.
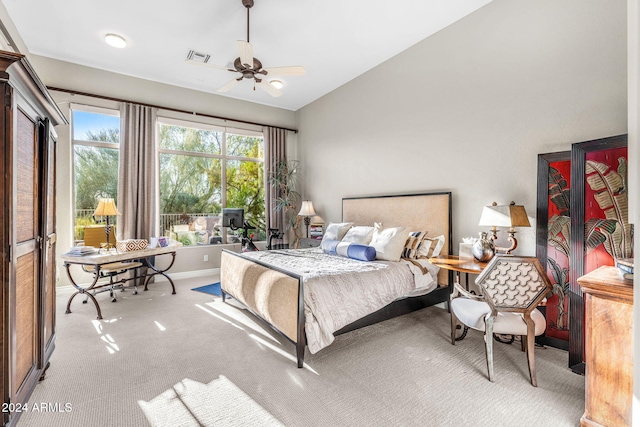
(115, 41)
(276, 83)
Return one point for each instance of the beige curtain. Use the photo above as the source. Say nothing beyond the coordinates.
(137, 172)
(275, 151)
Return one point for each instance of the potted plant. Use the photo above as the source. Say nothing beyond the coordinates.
(284, 178)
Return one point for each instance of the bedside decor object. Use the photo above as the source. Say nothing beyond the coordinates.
(483, 249)
(307, 212)
(106, 207)
(509, 216)
(464, 248)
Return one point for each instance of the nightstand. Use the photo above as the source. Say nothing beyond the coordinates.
(459, 265)
(309, 243)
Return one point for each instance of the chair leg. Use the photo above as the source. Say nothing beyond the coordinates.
(454, 324)
(488, 339)
(530, 338)
(523, 342)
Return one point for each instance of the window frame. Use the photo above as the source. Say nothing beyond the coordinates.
(73, 107)
(223, 157)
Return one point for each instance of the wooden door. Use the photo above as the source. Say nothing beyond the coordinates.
(48, 232)
(24, 304)
(6, 153)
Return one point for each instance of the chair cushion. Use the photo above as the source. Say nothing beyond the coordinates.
(473, 314)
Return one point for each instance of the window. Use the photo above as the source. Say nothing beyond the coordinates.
(203, 169)
(96, 140)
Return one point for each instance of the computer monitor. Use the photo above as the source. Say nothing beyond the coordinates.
(233, 217)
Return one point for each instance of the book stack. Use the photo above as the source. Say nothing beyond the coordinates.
(625, 265)
(316, 230)
(82, 251)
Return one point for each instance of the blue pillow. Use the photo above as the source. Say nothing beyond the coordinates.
(349, 250)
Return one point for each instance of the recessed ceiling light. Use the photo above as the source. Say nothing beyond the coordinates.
(115, 41)
(276, 83)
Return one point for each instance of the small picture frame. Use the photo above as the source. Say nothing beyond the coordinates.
(162, 241)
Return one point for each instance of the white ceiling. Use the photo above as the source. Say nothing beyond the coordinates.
(335, 40)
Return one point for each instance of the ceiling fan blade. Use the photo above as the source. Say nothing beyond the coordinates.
(246, 53)
(206, 64)
(286, 71)
(267, 87)
(229, 85)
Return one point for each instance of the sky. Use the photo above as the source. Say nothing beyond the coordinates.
(85, 121)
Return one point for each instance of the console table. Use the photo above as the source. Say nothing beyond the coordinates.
(608, 352)
(104, 261)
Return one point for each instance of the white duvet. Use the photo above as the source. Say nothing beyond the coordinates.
(339, 290)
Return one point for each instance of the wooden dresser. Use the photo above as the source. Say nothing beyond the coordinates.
(608, 352)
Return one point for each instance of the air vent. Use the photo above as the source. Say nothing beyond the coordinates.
(198, 56)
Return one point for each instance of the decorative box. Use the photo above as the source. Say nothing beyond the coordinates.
(129, 245)
(465, 250)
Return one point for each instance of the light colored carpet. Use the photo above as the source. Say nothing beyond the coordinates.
(189, 360)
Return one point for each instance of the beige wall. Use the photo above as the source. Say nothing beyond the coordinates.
(469, 109)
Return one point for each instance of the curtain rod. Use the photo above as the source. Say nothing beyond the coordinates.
(110, 98)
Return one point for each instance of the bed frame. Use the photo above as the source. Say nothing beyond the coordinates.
(277, 297)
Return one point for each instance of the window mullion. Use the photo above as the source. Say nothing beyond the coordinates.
(190, 153)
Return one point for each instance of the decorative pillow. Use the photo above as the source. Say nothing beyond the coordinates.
(389, 242)
(349, 250)
(410, 250)
(361, 234)
(430, 247)
(336, 230)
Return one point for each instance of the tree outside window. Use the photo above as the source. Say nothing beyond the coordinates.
(96, 139)
(203, 170)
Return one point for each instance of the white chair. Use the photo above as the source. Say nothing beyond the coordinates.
(511, 289)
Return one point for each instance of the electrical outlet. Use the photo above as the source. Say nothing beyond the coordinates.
(206, 258)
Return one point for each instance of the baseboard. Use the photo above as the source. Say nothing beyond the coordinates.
(188, 274)
(160, 278)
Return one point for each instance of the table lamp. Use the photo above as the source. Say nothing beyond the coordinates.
(106, 207)
(508, 216)
(307, 212)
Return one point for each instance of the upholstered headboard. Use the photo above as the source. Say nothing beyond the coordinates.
(426, 211)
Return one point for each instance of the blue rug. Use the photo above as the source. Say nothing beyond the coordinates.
(213, 289)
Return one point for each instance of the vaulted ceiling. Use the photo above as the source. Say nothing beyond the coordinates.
(335, 40)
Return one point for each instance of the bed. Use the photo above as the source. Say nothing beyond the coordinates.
(285, 289)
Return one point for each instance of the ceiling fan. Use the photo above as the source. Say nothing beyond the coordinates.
(250, 67)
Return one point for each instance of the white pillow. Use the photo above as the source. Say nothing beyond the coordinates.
(336, 230)
(389, 242)
(361, 234)
(430, 246)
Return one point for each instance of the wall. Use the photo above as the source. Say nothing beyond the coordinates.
(469, 109)
(90, 80)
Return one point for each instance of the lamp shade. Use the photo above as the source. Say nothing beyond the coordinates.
(504, 216)
(307, 209)
(106, 207)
